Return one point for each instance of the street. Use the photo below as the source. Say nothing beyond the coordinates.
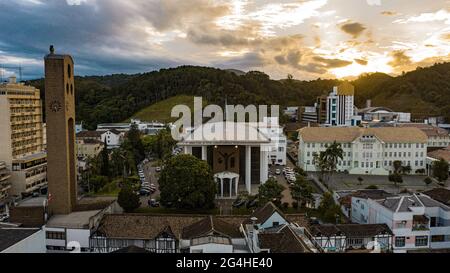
(151, 176)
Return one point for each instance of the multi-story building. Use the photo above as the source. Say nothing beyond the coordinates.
(5, 186)
(22, 136)
(366, 150)
(437, 137)
(308, 114)
(271, 128)
(341, 105)
(417, 221)
(321, 105)
(89, 148)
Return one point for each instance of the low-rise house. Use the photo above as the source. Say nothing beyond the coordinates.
(113, 138)
(352, 237)
(417, 221)
(359, 199)
(437, 155)
(89, 148)
(269, 230)
(168, 233)
(212, 235)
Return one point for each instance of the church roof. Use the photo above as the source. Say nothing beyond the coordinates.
(231, 133)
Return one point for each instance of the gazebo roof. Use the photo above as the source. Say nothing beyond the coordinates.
(226, 174)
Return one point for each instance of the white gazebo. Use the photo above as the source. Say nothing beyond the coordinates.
(228, 182)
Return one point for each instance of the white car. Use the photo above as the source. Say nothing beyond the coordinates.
(277, 171)
(158, 169)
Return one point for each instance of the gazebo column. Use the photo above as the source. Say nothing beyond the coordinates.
(236, 184)
(204, 153)
(248, 168)
(221, 187)
(263, 166)
(188, 150)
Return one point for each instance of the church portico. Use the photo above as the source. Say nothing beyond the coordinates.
(236, 164)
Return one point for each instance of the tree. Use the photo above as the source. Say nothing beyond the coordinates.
(301, 191)
(327, 160)
(104, 154)
(128, 199)
(372, 187)
(397, 166)
(133, 143)
(187, 182)
(360, 180)
(406, 169)
(97, 182)
(440, 170)
(328, 210)
(270, 191)
(160, 144)
(300, 171)
(428, 181)
(396, 178)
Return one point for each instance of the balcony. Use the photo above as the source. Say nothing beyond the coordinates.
(420, 223)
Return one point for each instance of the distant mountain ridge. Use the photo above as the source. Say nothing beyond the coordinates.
(113, 98)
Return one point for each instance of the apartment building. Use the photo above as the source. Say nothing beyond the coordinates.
(22, 137)
(341, 105)
(417, 221)
(370, 151)
(5, 186)
(271, 128)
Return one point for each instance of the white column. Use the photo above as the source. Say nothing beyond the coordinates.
(204, 153)
(231, 186)
(248, 168)
(221, 187)
(263, 166)
(236, 184)
(187, 150)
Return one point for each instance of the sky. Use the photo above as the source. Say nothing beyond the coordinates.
(305, 38)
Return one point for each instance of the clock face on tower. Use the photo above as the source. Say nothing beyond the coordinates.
(55, 106)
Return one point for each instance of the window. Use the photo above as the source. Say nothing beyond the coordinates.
(275, 224)
(421, 240)
(54, 235)
(400, 241)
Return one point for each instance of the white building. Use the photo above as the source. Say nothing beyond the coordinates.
(417, 221)
(341, 105)
(113, 138)
(437, 137)
(237, 152)
(271, 128)
(366, 150)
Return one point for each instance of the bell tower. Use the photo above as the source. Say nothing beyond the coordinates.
(60, 118)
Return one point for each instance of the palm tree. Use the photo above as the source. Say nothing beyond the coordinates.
(331, 156)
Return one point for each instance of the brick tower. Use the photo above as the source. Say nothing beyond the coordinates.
(60, 118)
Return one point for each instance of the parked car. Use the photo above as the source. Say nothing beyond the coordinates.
(252, 203)
(35, 194)
(153, 203)
(144, 192)
(4, 217)
(158, 169)
(277, 171)
(239, 203)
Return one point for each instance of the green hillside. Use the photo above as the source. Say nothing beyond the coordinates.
(161, 111)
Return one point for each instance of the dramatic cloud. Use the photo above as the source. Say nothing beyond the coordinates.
(305, 38)
(354, 29)
(361, 61)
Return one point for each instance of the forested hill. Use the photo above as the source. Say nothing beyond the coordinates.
(117, 97)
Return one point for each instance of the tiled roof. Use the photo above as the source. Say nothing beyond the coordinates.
(372, 194)
(406, 202)
(441, 153)
(431, 131)
(439, 194)
(210, 225)
(263, 213)
(89, 134)
(282, 240)
(349, 134)
(350, 230)
(145, 226)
